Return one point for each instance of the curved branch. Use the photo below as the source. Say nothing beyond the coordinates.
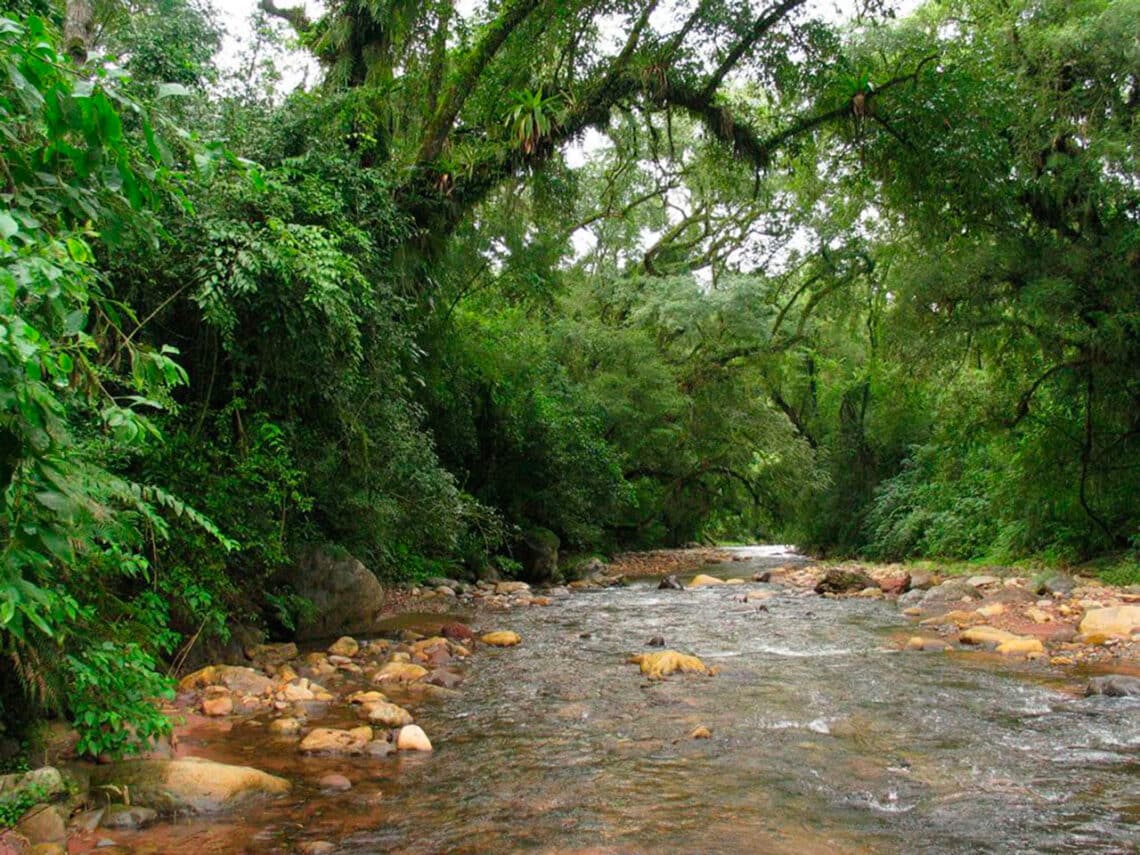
(294, 15)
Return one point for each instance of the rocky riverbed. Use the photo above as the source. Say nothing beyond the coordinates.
(315, 749)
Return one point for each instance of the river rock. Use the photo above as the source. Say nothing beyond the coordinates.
(840, 581)
(42, 824)
(918, 642)
(217, 703)
(129, 817)
(700, 732)
(366, 697)
(1021, 646)
(502, 638)
(287, 726)
(413, 738)
(982, 580)
(378, 748)
(762, 576)
(511, 587)
(188, 785)
(896, 585)
(703, 580)
(446, 678)
(950, 591)
(985, 635)
(922, 580)
(1113, 622)
(344, 646)
(329, 740)
(271, 655)
(656, 641)
(385, 714)
(457, 631)
(670, 583)
(238, 679)
(661, 664)
(400, 672)
(911, 599)
(316, 847)
(346, 598)
(1054, 585)
(1114, 686)
(335, 782)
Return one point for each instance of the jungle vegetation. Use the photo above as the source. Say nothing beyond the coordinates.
(638, 273)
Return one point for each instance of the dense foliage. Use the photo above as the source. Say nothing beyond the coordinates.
(631, 276)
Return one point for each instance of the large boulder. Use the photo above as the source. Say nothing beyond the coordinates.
(347, 598)
(243, 681)
(190, 785)
(538, 553)
(843, 581)
(1112, 622)
(47, 781)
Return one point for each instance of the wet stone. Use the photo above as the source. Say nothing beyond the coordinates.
(128, 817)
(334, 782)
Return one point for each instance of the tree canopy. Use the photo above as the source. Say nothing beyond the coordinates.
(635, 273)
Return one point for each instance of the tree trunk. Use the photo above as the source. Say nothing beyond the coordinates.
(78, 29)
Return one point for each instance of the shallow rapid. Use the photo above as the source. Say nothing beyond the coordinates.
(824, 739)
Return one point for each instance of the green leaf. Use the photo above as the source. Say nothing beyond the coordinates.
(8, 225)
(172, 90)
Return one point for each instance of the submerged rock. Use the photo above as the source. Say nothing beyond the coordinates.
(666, 662)
(335, 782)
(128, 817)
(670, 583)
(702, 580)
(918, 642)
(189, 785)
(329, 740)
(1114, 686)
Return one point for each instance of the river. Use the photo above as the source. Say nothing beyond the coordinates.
(825, 737)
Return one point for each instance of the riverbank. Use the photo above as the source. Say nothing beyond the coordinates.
(328, 732)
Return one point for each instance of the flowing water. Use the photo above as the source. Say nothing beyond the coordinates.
(824, 739)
